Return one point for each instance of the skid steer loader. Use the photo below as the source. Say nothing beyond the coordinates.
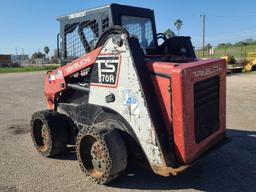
(121, 95)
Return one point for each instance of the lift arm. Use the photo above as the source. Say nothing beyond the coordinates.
(54, 81)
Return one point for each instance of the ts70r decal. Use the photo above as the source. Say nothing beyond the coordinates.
(106, 71)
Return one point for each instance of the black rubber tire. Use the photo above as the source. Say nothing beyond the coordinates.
(55, 126)
(109, 118)
(113, 152)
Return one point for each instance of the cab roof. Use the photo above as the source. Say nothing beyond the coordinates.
(99, 9)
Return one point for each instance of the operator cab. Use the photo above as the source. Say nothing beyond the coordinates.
(80, 32)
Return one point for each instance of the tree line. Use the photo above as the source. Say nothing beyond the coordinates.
(249, 41)
(45, 55)
(245, 42)
(40, 55)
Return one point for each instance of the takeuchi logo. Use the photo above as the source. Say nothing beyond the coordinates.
(78, 64)
(207, 71)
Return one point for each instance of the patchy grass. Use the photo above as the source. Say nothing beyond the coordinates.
(233, 51)
(28, 68)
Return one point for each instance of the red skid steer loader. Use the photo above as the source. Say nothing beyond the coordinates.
(123, 94)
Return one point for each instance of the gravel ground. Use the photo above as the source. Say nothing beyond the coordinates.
(231, 168)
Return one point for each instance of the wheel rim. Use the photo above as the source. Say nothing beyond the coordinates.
(45, 137)
(93, 156)
(41, 135)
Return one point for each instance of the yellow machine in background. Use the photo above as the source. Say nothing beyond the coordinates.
(232, 65)
(251, 62)
(246, 65)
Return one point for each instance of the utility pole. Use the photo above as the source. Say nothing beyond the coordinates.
(203, 17)
(245, 44)
(241, 52)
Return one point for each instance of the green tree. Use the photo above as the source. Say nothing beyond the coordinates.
(46, 50)
(178, 23)
(38, 55)
(229, 44)
(169, 33)
(55, 57)
(221, 45)
(239, 43)
(249, 41)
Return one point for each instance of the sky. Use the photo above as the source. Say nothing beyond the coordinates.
(30, 25)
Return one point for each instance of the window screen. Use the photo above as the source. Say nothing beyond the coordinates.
(141, 28)
(80, 38)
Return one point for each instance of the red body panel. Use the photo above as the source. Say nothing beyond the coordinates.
(162, 84)
(183, 78)
(54, 82)
(162, 87)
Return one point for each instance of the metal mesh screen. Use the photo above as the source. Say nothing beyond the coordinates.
(141, 28)
(135, 30)
(149, 33)
(74, 46)
(81, 38)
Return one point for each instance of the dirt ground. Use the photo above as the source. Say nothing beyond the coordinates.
(232, 168)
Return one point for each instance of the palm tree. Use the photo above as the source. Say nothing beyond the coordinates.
(46, 50)
(178, 23)
(169, 33)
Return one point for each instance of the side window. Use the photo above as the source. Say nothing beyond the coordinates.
(80, 38)
(91, 34)
(105, 23)
(73, 44)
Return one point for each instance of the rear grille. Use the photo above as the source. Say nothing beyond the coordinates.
(206, 105)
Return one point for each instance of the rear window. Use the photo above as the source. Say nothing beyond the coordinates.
(141, 28)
